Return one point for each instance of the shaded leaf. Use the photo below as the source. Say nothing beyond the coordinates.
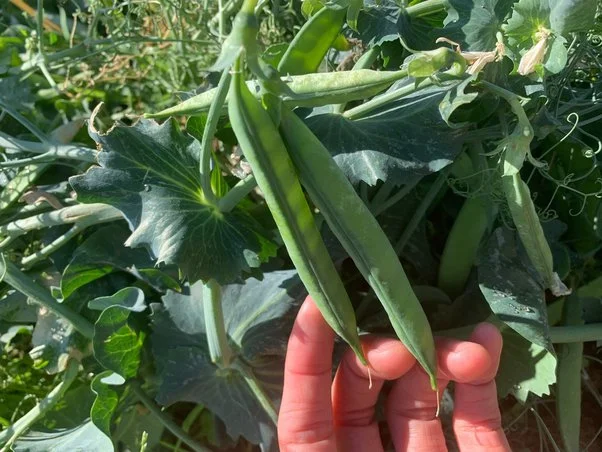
(106, 386)
(150, 173)
(513, 289)
(258, 317)
(378, 22)
(104, 252)
(418, 141)
(84, 437)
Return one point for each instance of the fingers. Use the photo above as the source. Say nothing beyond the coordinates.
(477, 420)
(354, 399)
(305, 418)
(413, 404)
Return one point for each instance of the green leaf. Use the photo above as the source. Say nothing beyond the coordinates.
(378, 22)
(84, 437)
(513, 289)
(258, 317)
(525, 367)
(14, 308)
(474, 23)
(106, 386)
(150, 172)
(417, 141)
(117, 344)
(103, 252)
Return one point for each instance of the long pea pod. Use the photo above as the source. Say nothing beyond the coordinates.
(362, 237)
(531, 233)
(310, 90)
(264, 149)
(310, 45)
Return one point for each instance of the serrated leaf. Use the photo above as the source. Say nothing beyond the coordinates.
(258, 320)
(150, 173)
(378, 22)
(418, 141)
(104, 252)
(512, 288)
(525, 367)
(116, 343)
(106, 386)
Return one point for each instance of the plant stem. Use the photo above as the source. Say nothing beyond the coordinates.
(427, 7)
(191, 417)
(24, 121)
(368, 107)
(32, 259)
(421, 211)
(84, 214)
(209, 131)
(257, 390)
(217, 338)
(12, 433)
(402, 193)
(14, 277)
(167, 422)
(237, 193)
(576, 333)
(66, 151)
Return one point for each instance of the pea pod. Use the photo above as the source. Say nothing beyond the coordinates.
(264, 149)
(531, 233)
(310, 45)
(362, 237)
(310, 90)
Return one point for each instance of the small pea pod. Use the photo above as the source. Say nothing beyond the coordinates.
(362, 237)
(310, 90)
(310, 45)
(264, 149)
(531, 233)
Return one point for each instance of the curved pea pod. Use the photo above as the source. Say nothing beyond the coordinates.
(310, 45)
(310, 90)
(531, 233)
(264, 149)
(362, 237)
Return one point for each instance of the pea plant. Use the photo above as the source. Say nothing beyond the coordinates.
(415, 168)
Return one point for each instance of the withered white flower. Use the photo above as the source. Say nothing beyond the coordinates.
(535, 54)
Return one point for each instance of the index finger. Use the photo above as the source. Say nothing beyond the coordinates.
(305, 418)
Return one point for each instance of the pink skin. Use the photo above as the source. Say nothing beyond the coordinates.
(318, 414)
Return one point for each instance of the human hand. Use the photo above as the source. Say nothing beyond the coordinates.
(317, 414)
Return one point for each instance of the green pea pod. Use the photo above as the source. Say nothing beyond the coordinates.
(310, 45)
(362, 237)
(310, 90)
(531, 233)
(264, 149)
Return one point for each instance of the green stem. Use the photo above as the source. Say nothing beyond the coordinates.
(32, 259)
(14, 277)
(426, 8)
(421, 211)
(85, 214)
(402, 193)
(217, 338)
(66, 151)
(576, 333)
(237, 193)
(374, 104)
(209, 131)
(24, 121)
(12, 433)
(191, 417)
(167, 422)
(258, 391)
(514, 102)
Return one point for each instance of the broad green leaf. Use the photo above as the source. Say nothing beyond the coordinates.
(525, 367)
(513, 289)
(117, 344)
(474, 23)
(86, 437)
(104, 252)
(150, 172)
(259, 315)
(14, 308)
(378, 22)
(417, 141)
(107, 386)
